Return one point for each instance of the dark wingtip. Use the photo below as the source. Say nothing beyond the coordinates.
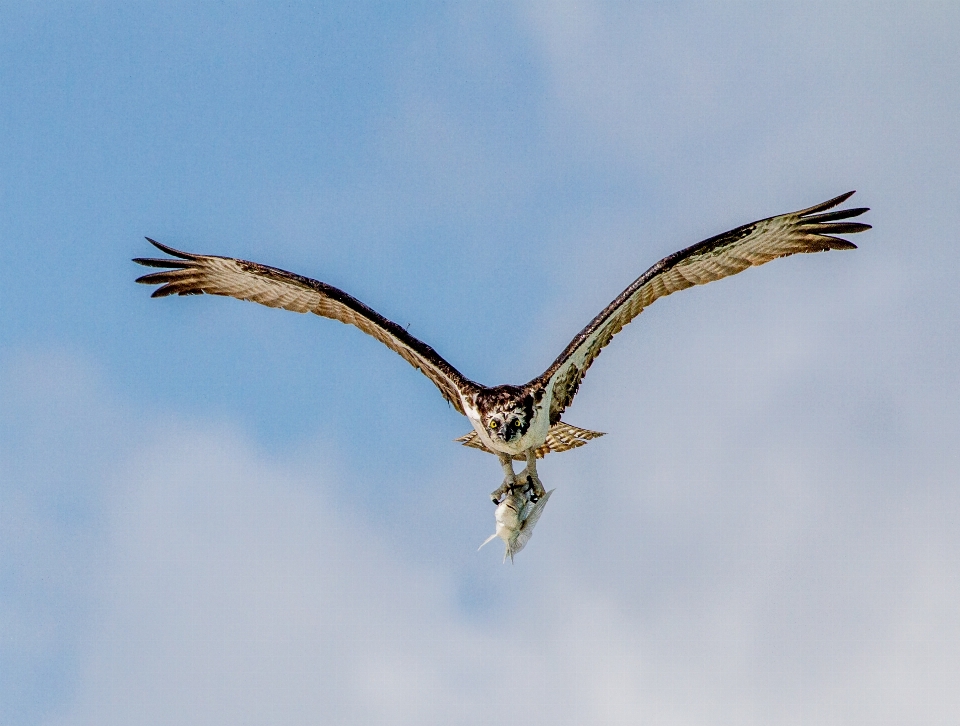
(838, 200)
(170, 250)
(829, 204)
(847, 227)
(834, 216)
(166, 262)
(836, 243)
(841, 199)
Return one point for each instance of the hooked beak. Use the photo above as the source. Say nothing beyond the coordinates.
(508, 433)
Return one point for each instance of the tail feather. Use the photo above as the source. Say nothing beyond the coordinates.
(561, 437)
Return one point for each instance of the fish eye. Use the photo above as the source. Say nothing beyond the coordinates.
(494, 424)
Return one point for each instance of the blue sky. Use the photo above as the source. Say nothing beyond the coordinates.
(213, 512)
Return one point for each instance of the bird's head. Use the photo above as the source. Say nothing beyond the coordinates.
(506, 412)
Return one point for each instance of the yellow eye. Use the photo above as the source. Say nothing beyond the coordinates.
(494, 424)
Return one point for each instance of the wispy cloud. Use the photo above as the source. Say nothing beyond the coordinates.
(211, 512)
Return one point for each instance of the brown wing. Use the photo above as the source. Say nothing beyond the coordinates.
(191, 274)
(712, 259)
(561, 437)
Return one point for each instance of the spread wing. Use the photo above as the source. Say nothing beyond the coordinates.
(809, 230)
(191, 274)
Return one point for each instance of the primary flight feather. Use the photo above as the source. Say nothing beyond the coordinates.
(516, 422)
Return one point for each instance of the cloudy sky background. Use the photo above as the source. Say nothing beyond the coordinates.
(216, 513)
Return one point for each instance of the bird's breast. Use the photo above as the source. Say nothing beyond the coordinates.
(534, 437)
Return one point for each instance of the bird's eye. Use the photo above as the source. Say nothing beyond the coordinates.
(515, 423)
(494, 423)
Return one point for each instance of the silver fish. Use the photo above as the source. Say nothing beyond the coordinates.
(516, 517)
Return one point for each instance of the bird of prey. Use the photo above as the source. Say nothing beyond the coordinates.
(516, 422)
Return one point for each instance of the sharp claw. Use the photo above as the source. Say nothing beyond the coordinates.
(537, 490)
(509, 484)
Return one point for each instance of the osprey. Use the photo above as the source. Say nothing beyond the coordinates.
(516, 423)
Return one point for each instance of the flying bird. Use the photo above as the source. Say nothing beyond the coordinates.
(516, 422)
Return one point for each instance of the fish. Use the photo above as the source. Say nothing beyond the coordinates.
(516, 517)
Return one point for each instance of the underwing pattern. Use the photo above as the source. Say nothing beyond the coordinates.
(516, 422)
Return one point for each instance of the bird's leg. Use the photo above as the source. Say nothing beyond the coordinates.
(531, 477)
(509, 481)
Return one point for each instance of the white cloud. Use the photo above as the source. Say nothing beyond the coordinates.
(757, 585)
(767, 535)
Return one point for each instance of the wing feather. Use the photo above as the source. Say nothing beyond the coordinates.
(561, 437)
(192, 274)
(808, 230)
